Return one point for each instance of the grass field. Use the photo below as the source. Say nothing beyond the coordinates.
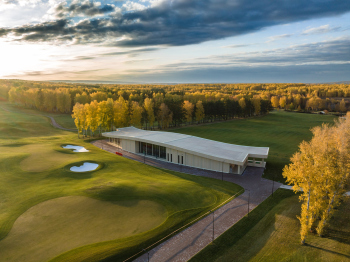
(271, 233)
(281, 131)
(42, 203)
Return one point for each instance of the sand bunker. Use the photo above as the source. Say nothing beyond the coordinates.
(79, 149)
(87, 166)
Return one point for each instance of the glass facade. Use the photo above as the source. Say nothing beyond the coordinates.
(152, 150)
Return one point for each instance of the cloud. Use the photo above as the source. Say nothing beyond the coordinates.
(320, 30)
(277, 37)
(330, 53)
(238, 46)
(129, 53)
(173, 22)
(85, 8)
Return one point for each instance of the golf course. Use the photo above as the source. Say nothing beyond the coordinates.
(51, 213)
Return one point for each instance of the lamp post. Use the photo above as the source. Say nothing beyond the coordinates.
(248, 201)
(213, 226)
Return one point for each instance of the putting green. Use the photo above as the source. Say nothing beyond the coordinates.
(59, 225)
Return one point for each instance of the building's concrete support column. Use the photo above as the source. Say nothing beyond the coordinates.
(239, 169)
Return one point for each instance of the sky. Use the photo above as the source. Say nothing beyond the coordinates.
(176, 41)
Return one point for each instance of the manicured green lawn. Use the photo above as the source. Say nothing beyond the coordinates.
(65, 120)
(271, 233)
(281, 131)
(34, 172)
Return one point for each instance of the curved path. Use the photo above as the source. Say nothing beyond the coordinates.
(186, 244)
(53, 121)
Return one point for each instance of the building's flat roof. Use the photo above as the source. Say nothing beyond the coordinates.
(191, 144)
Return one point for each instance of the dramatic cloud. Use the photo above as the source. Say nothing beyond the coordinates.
(86, 8)
(176, 22)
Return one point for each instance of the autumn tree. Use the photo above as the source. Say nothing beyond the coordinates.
(199, 111)
(78, 117)
(165, 116)
(136, 114)
(257, 105)
(188, 109)
(121, 112)
(275, 101)
(149, 108)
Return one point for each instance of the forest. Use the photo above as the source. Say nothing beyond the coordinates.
(104, 106)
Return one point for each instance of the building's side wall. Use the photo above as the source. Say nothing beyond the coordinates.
(193, 160)
(196, 161)
(128, 145)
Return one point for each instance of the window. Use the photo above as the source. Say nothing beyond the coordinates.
(162, 152)
(149, 149)
(155, 151)
(171, 157)
(182, 159)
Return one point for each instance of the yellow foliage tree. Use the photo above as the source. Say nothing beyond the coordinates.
(188, 109)
(199, 111)
(136, 114)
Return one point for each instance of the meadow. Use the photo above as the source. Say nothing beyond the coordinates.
(271, 233)
(281, 131)
(48, 212)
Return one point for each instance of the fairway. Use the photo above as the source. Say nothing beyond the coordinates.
(79, 219)
(274, 226)
(281, 131)
(34, 172)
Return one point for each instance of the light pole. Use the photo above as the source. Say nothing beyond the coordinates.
(213, 226)
(248, 201)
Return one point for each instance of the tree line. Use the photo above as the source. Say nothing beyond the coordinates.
(160, 112)
(320, 170)
(297, 97)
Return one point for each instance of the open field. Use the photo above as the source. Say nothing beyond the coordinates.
(271, 233)
(34, 173)
(279, 130)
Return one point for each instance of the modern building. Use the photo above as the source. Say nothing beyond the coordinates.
(188, 150)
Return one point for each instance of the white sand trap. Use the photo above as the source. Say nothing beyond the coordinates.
(56, 226)
(79, 149)
(84, 167)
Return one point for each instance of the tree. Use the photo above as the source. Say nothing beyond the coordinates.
(165, 116)
(92, 118)
(257, 105)
(242, 104)
(275, 101)
(136, 114)
(199, 111)
(188, 109)
(321, 170)
(121, 112)
(342, 106)
(149, 108)
(78, 117)
(283, 102)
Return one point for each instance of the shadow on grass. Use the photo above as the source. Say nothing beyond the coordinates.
(329, 251)
(225, 242)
